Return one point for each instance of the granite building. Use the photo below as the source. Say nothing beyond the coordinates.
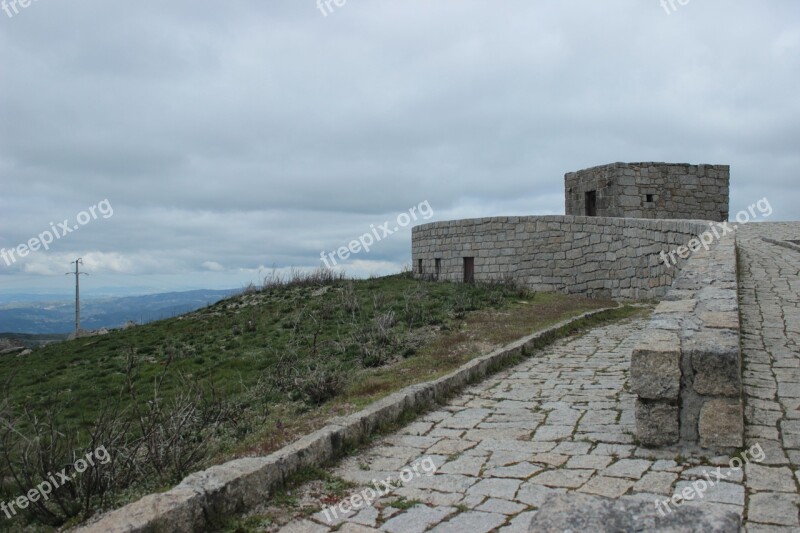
(649, 190)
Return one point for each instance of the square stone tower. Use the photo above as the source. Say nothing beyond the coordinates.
(650, 190)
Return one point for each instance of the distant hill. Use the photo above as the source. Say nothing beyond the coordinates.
(58, 317)
(28, 340)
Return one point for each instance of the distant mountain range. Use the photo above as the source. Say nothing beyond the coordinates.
(58, 316)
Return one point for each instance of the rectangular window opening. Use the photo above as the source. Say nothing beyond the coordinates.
(591, 203)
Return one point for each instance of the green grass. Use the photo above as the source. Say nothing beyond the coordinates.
(283, 359)
(404, 504)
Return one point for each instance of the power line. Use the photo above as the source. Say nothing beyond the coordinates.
(78, 262)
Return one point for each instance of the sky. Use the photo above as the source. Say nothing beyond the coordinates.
(200, 144)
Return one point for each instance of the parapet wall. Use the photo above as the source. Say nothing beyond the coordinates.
(602, 257)
(686, 370)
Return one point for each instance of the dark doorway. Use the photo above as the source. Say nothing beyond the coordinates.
(419, 267)
(469, 270)
(591, 203)
(438, 267)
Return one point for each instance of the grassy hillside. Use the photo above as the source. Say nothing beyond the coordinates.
(242, 376)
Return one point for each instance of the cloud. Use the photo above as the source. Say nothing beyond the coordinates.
(213, 266)
(263, 133)
(38, 269)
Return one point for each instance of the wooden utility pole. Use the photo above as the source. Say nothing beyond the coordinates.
(78, 262)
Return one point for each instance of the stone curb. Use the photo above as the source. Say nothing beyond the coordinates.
(243, 483)
(783, 244)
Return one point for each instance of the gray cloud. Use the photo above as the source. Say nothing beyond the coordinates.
(231, 137)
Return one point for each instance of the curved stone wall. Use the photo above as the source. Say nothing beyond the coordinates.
(620, 258)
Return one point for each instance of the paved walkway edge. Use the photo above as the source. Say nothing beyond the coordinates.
(784, 244)
(233, 487)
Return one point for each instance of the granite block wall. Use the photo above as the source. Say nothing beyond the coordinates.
(598, 256)
(651, 190)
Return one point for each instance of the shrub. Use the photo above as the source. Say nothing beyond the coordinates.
(155, 439)
(299, 278)
(349, 299)
(415, 311)
(323, 383)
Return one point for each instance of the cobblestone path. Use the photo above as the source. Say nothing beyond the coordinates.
(560, 421)
(769, 292)
(563, 421)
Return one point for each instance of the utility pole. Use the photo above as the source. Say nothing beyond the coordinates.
(78, 262)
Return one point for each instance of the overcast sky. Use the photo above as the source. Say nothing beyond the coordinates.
(231, 137)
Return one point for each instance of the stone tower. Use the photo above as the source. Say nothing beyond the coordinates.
(649, 190)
